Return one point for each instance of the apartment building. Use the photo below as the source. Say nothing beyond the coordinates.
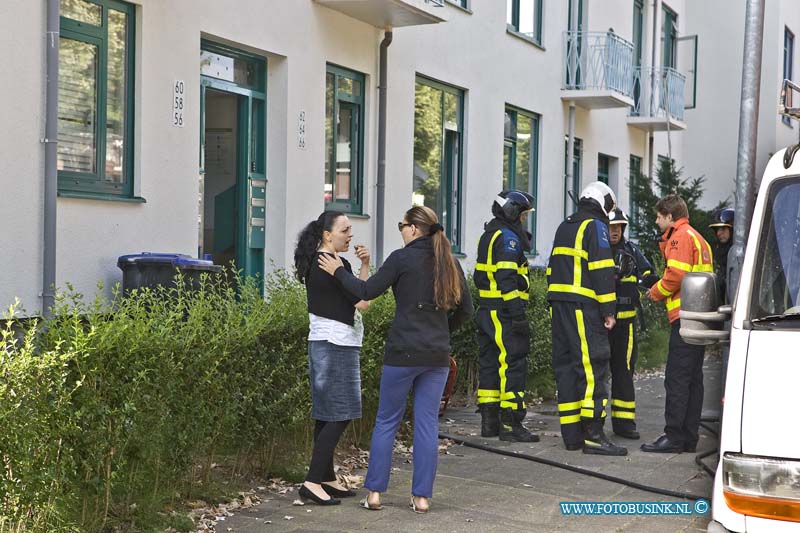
(221, 128)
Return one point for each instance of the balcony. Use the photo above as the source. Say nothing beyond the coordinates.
(390, 13)
(597, 70)
(658, 99)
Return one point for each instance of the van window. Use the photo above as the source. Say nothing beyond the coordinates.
(776, 287)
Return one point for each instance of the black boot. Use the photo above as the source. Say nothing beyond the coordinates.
(511, 428)
(490, 421)
(595, 441)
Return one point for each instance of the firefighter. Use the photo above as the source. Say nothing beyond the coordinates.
(685, 250)
(631, 267)
(580, 289)
(722, 223)
(501, 276)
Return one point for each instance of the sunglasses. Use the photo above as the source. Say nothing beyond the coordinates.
(401, 225)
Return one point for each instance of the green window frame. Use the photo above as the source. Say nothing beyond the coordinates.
(96, 98)
(788, 63)
(524, 18)
(344, 139)
(669, 37)
(521, 158)
(460, 3)
(571, 204)
(634, 171)
(438, 149)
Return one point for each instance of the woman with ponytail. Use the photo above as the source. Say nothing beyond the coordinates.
(431, 300)
(334, 346)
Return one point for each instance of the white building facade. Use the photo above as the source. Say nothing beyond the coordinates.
(222, 128)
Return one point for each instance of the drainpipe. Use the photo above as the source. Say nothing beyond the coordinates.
(381, 184)
(572, 44)
(50, 161)
(649, 101)
(748, 135)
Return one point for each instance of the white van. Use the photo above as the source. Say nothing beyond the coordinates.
(757, 483)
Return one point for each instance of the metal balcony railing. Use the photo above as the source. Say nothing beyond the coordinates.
(658, 93)
(437, 3)
(597, 61)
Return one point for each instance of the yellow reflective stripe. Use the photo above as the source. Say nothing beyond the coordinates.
(626, 314)
(510, 265)
(623, 404)
(700, 249)
(493, 399)
(630, 345)
(583, 291)
(483, 267)
(630, 279)
(673, 303)
(587, 364)
(505, 296)
(549, 271)
(646, 272)
(498, 340)
(488, 393)
(703, 268)
(564, 250)
(605, 298)
(680, 265)
(661, 289)
(571, 419)
(577, 270)
(602, 263)
(489, 274)
(569, 406)
(587, 413)
(623, 414)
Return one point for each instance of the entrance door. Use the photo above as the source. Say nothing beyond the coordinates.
(232, 159)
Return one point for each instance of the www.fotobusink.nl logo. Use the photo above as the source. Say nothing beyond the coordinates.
(700, 506)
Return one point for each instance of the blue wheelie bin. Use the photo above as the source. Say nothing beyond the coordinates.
(149, 269)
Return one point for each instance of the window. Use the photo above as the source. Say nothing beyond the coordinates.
(669, 37)
(525, 18)
(634, 170)
(788, 60)
(638, 45)
(344, 139)
(460, 3)
(521, 157)
(438, 139)
(603, 168)
(571, 190)
(95, 98)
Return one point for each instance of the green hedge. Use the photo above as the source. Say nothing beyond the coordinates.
(113, 408)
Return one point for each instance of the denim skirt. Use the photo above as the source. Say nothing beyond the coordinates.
(335, 381)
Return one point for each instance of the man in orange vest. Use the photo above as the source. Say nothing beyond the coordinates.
(684, 250)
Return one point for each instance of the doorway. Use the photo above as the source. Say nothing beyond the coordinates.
(232, 159)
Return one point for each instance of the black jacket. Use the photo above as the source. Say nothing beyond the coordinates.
(581, 267)
(721, 255)
(501, 270)
(420, 332)
(631, 267)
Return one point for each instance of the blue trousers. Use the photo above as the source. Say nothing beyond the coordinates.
(396, 381)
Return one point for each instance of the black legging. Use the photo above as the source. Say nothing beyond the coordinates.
(326, 437)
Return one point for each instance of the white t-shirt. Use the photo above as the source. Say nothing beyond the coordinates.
(335, 332)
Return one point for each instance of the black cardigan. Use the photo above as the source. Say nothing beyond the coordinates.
(420, 332)
(326, 297)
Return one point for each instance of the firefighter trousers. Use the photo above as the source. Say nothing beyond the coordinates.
(624, 352)
(580, 362)
(502, 359)
(683, 381)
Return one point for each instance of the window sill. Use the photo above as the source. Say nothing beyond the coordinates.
(459, 255)
(102, 197)
(359, 216)
(459, 7)
(523, 37)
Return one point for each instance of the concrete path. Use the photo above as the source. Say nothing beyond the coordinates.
(478, 491)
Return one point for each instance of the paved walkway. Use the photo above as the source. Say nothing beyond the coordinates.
(478, 491)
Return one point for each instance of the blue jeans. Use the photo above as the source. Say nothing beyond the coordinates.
(396, 381)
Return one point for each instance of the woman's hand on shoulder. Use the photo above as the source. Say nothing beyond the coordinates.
(362, 305)
(330, 263)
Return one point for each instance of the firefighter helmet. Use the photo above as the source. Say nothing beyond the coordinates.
(602, 194)
(722, 218)
(618, 216)
(510, 205)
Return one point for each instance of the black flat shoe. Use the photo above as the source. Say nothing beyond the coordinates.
(690, 447)
(663, 445)
(338, 493)
(308, 495)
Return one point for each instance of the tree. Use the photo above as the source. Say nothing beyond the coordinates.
(644, 197)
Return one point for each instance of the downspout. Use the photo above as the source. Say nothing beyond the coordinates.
(650, 100)
(748, 135)
(381, 184)
(572, 44)
(50, 160)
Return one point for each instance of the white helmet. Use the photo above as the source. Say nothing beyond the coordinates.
(602, 194)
